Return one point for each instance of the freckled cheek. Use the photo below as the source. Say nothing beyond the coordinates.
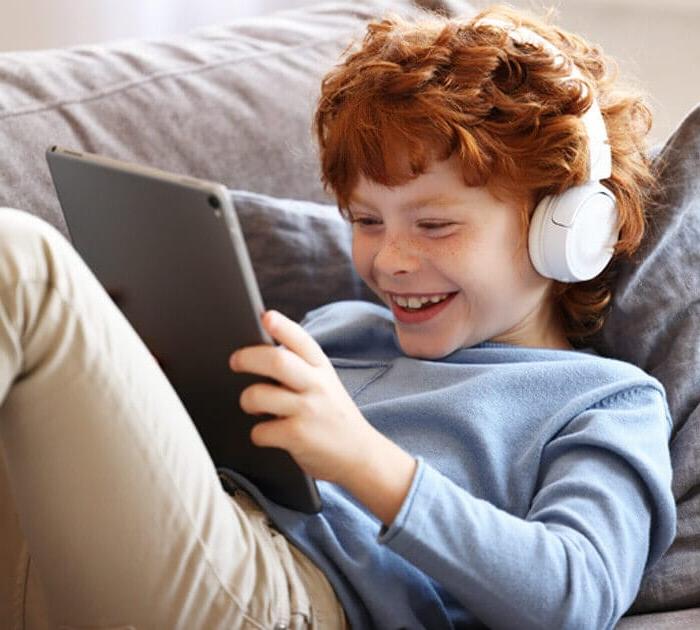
(455, 256)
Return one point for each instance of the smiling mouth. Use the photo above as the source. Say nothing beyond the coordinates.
(415, 303)
(425, 311)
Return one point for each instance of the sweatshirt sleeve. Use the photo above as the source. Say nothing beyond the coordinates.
(601, 512)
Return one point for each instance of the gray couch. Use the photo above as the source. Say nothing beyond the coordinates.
(233, 103)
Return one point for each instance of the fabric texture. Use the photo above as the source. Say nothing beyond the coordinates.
(574, 479)
(674, 620)
(655, 324)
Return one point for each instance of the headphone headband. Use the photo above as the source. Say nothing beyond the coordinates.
(572, 236)
(599, 154)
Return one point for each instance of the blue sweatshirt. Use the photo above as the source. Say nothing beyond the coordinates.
(542, 492)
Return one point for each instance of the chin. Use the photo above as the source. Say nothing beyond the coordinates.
(425, 351)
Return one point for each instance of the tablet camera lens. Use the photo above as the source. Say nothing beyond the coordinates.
(214, 201)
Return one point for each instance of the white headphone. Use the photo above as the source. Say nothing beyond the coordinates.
(572, 235)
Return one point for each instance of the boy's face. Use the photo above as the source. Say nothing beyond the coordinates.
(435, 236)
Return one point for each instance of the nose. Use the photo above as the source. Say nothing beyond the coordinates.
(396, 256)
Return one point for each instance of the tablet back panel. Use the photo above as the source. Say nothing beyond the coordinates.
(170, 252)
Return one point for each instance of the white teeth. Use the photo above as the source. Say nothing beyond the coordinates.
(417, 302)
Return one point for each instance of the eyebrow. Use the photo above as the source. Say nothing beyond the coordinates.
(438, 200)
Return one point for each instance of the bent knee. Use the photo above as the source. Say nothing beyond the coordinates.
(13, 219)
(28, 246)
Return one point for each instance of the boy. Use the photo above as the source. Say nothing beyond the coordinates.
(514, 479)
(474, 468)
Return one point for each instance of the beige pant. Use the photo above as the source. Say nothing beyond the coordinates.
(113, 515)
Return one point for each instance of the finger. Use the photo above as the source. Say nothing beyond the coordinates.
(262, 398)
(275, 362)
(271, 433)
(292, 335)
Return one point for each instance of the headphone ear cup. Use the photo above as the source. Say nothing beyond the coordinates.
(572, 236)
(536, 237)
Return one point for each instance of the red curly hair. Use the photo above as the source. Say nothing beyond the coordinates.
(422, 89)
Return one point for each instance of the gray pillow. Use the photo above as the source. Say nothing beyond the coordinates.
(655, 324)
(300, 252)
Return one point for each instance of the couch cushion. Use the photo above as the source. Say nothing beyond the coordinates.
(655, 323)
(676, 620)
(229, 102)
(300, 252)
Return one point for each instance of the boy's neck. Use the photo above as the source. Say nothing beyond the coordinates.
(543, 328)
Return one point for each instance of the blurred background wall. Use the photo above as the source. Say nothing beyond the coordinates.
(655, 41)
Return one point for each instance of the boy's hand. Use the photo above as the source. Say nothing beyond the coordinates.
(318, 423)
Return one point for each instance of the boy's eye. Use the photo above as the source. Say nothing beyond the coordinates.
(425, 225)
(437, 230)
(435, 226)
(364, 221)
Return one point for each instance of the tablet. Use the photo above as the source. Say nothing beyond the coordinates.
(170, 251)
